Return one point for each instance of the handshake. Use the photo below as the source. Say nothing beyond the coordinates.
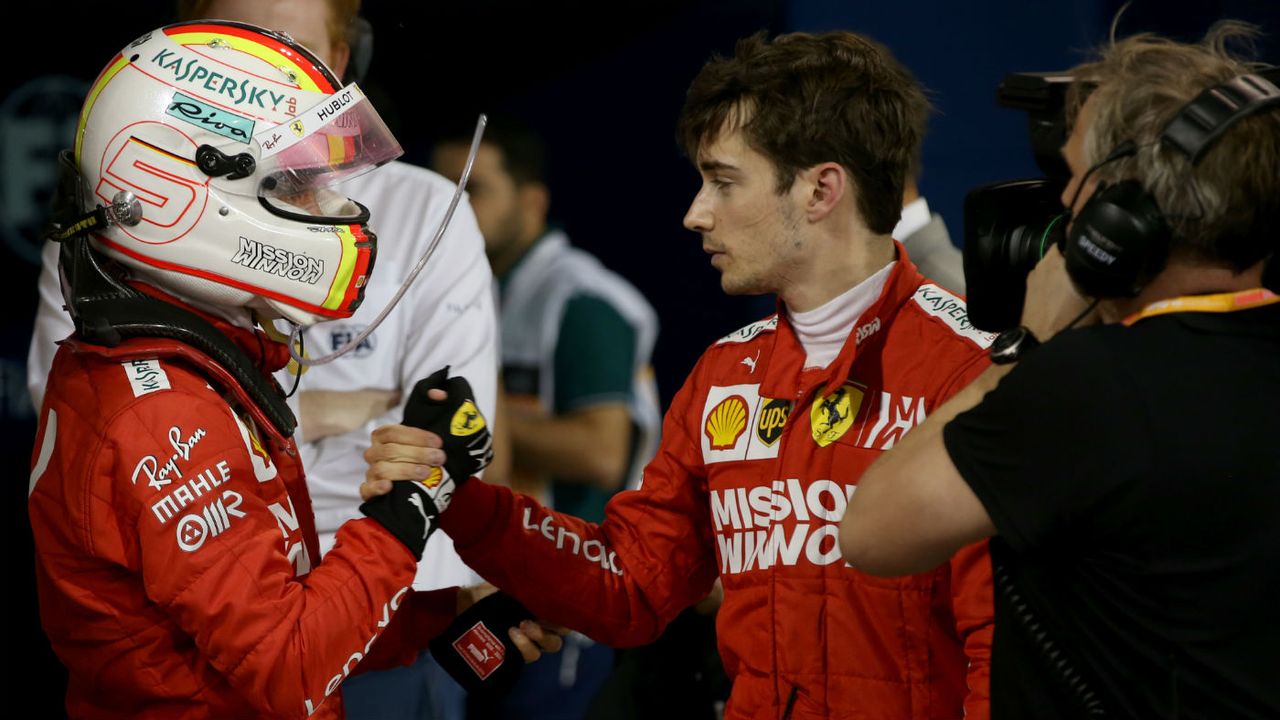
(444, 406)
(474, 649)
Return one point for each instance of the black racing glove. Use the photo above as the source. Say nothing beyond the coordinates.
(476, 650)
(410, 510)
(407, 511)
(468, 444)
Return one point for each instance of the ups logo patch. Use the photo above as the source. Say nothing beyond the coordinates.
(771, 420)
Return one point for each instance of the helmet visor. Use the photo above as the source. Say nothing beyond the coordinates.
(335, 140)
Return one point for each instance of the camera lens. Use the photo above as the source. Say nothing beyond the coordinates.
(1008, 227)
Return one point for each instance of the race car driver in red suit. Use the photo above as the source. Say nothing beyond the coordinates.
(176, 554)
(803, 144)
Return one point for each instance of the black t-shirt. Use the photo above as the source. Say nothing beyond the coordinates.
(1133, 476)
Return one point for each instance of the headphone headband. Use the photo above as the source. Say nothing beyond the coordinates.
(1201, 123)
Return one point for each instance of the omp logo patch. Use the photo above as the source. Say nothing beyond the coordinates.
(832, 415)
(466, 421)
(726, 422)
(771, 419)
(951, 310)
(742, 335)
(481, 649)
(145, 376)
(215, 519)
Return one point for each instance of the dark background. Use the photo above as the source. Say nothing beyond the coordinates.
(604, 83)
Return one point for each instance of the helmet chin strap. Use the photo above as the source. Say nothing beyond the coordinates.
(404, 287)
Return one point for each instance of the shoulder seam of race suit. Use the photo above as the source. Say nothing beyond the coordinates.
(749, 332)
(950, 310)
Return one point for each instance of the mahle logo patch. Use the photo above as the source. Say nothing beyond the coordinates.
(772, 418)
(832, 415)
(726, 422)
(467, 420)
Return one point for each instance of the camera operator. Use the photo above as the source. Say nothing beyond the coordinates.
(1129, 468)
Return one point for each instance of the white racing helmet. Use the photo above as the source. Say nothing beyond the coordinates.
(230, 137)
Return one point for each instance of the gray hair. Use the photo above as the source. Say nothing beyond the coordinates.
(1224, 211)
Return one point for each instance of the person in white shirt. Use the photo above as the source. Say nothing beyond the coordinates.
(925, 237)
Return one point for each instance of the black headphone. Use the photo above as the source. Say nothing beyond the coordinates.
(1120, 239)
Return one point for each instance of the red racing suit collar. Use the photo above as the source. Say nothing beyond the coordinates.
(784, 362)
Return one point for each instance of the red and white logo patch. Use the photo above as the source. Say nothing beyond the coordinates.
(481, 649)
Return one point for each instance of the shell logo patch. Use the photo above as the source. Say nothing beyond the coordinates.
(771, 420)
(726, 422)
(434, 478)
(467, 420)
(832, 415)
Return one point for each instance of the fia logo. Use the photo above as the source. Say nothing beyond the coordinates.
(340, 335)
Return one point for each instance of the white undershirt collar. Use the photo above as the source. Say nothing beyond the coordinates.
(823, 330)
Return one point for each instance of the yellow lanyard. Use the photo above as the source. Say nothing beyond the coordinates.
(1220, 303)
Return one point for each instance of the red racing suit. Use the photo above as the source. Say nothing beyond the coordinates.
(758, 459)
(175, 546)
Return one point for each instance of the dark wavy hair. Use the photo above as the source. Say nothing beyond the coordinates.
(804, 99)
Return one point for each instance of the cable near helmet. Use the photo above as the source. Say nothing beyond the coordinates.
(230, 138)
